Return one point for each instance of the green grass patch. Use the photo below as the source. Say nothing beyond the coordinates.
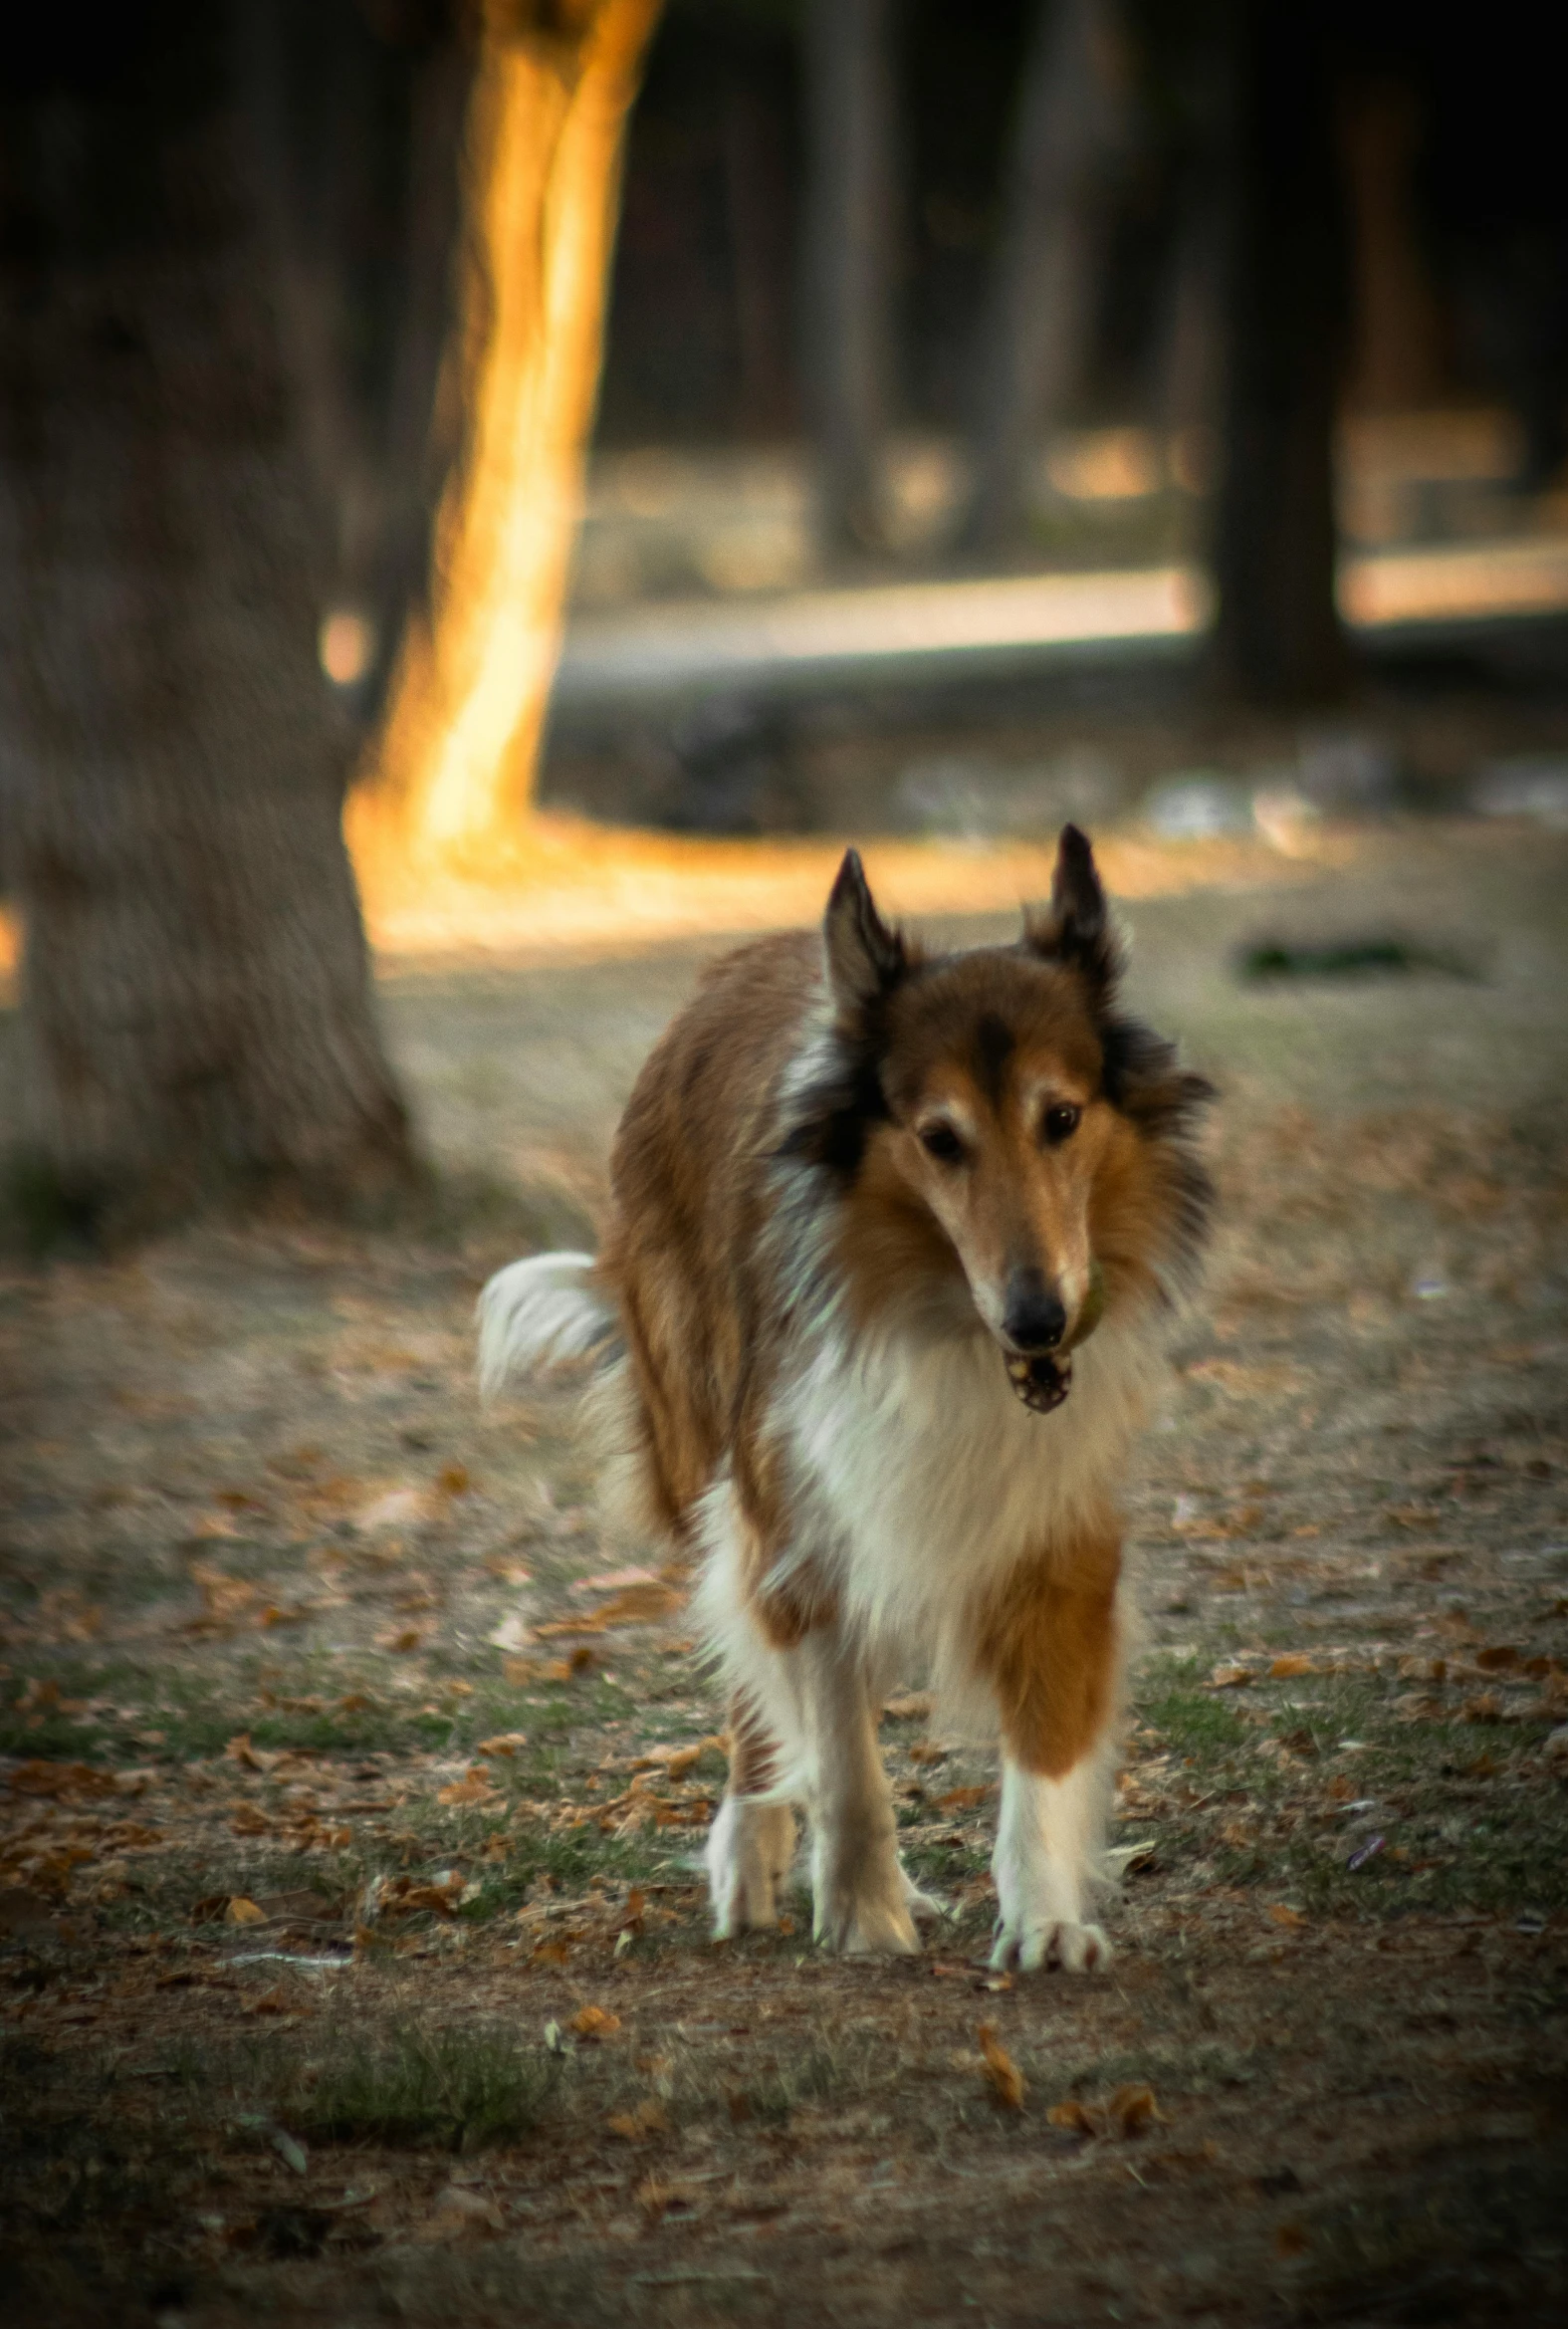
(1189, 1720)
(457, 2088)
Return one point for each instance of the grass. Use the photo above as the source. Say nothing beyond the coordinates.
(457, 2088)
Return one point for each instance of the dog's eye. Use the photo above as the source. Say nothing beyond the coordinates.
(1060, 1123)
(941, 1143)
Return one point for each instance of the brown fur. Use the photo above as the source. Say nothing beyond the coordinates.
(715, 1140)
(1047, 1644)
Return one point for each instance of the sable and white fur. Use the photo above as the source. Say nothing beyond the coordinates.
(891, 1236)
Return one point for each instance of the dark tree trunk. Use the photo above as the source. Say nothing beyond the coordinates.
(1277, 635)
(195, 998)
(1070, 139)
(850, 260)
(357, 116)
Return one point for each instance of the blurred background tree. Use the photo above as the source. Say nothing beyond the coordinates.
(553, 83)
(196, 1004)
(314, 311)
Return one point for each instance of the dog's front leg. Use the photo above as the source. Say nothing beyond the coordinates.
(1052, 1658)
(861, 1896)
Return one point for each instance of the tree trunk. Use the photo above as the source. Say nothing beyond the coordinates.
(1069, 141)
(848, 324)
(195, 1003)
(1277, 635)
(552, 91)
(358, 115)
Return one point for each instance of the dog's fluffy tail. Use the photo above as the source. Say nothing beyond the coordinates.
(536, 1314)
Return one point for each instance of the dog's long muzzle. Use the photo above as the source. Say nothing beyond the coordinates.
(1043, 1379)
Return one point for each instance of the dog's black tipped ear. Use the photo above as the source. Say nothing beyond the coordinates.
(864, 955)
(1077, 899)
(1076, 926)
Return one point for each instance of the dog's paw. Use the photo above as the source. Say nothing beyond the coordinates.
(857, 1924)
(861, 1901)
(750, 1849)
(1077, 1948)
(927, 1908)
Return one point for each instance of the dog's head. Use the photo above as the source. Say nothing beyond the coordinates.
(1010, 1147)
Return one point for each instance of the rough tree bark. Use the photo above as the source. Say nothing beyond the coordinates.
(848, 273)
(195, 1003)
(1277, 635)
(552, 87)
(1070, 139)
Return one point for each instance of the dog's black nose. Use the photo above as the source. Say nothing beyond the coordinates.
(1033, 1318)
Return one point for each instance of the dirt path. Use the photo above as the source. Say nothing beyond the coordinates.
(353, 1965)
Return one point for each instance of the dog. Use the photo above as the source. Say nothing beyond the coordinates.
(876, 1318)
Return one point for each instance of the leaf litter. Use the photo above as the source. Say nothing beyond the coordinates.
(516, 1849)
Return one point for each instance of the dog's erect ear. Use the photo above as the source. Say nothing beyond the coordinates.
(865, 957)
(1076, 927)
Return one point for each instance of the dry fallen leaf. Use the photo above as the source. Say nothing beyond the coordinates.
(468, 2210)
(400, 1639)
(650, 2117)
(246, 1821)
(1133, 2108)
(1496, 1657)
(549, 1953)
(62, 1779)
(279, 2001)
(504, 1743)
(1230, 1678)
(474, 1787)
(241, 1910)
(1007, 2079)
(453, 1479)
(398, 1507)
(1287, 1668)
(637, 1605)
(1074, 2117)
(1279, 1914)
(962, 1799)
(594, 2022)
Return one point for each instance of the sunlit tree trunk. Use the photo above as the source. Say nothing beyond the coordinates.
(848, 276)
(195, 1000)
(1071, 136)
(551, 89)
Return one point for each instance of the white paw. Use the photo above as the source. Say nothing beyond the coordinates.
(749, 1852)
(1077, 1948)
(927, 1908)
(862, 1902)
(855, 1925)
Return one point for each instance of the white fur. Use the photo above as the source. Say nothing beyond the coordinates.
(536, 1315)
(918, 1480)
(1048, 1836)
(924, 1480)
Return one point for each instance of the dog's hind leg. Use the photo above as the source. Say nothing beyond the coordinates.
(751, 1841)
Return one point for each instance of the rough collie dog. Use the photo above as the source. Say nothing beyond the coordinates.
(879, 1305)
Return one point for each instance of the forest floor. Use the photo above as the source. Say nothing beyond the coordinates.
(353, 1964)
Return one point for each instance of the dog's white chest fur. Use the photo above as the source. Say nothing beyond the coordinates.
(922, 1478)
